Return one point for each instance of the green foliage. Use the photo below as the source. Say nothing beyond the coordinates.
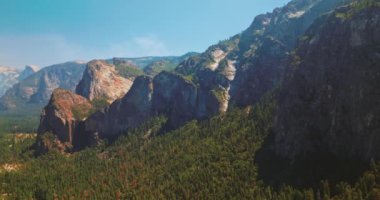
(219, 94)
(357, 6)
(81, 112)
(99, 104)
(159, 66)
(129, 71)
(15, 148)
(212, 159)
(13, 122)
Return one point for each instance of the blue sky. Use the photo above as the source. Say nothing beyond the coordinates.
(45, 32)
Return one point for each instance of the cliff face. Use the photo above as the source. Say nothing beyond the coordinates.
(100, 80)
(175, 97)
(129, 112)
(329, 102)
(63, 117)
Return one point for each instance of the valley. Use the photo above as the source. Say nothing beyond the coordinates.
(287, 109)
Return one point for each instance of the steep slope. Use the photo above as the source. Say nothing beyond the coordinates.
(101, 81)
(37, 88)
(63, 117)
(250, 64)
(329, 103)
(203, 85)
(129, 112)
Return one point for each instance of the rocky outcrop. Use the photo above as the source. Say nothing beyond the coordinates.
(329, 102)
(38, 87)
(63, 117)
(100, 80)
(129, 112)
(168, 94)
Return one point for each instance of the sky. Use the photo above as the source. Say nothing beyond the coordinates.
(46, 32)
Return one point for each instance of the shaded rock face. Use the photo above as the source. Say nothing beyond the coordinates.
(100, 80)
(264, 47)
(330, 100)
(175, 97)
(38, 87)
(63, 116)
(129, 112)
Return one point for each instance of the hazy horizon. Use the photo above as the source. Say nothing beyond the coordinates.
(48, 32)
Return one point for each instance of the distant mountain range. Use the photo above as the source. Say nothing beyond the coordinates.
(31, 88)
(10, 76)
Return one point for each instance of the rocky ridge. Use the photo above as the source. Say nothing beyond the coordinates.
(238, 71)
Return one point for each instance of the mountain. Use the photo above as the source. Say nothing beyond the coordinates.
(101, 81)
(329, 101)
(29, 70)
(35, 91)
(238, 71)
(37, 88)
(8, 77)
(296, 105)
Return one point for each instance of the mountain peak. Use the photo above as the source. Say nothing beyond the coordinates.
(101, 80)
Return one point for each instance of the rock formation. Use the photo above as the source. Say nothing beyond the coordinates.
(129, 112)
(100, 80)
(63, 116)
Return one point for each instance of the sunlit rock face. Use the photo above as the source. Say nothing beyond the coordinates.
(101, 80)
